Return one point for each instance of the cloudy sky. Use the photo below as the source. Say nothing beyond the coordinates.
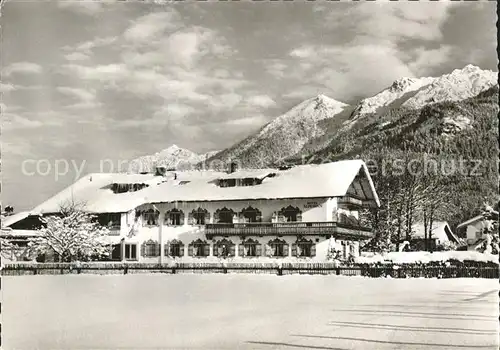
(88, 81)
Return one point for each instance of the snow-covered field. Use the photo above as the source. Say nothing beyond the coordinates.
(247, 312)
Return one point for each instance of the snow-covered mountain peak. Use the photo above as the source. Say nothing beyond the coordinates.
(392, 96)
(171, 157)
(458, 85)
(414, 93)
(402, 84)
(328, 101)
(310, 110)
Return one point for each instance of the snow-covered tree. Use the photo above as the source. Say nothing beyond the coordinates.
(490, 230)
(72, 235)
(7, 249)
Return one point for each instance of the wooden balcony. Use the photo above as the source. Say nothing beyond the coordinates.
(114, 230)
(350, 202)
(337, 229)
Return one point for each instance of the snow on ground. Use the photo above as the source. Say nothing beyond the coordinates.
(426, 257)
(239, 311)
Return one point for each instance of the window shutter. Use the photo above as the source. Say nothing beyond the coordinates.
(190, 250)
(191, 219)
(299, 217)
(286, 250)
(206, 250)
(313, 250)
(216, 217)
(181, 221)
(166, 249)
(241, 249)
(143, 249)
(241, 218)
(294, 250)
(181, 249)
(232, 250)
(258, 249)
(157, 249)
(207, 217)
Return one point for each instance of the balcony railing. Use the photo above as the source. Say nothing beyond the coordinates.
(350, 201)
(114, 230)
(287, 228)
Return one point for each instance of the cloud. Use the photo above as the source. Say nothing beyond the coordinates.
(173, 112)
(89, 45)
(80, 94)
(22, 67)
(263, 101)
(15, 121)
(4, 88)
(103, 73)
(392, 22)
(149, 26)
(76, 56)
(253, 121)
(426, 59)
(90, 8)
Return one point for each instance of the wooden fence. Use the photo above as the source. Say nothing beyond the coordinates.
(405, 271)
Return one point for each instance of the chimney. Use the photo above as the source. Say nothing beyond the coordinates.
(160, 171)
(233, 167)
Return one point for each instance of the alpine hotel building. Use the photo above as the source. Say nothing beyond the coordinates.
(290, 213)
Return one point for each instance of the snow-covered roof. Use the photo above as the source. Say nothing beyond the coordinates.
(12, 219)
(476, 219)
(248, 173)
(304, 181)
(95, 193)
(440, 230)
(8, 232)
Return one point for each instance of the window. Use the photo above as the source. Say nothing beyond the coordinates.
(224, 248)
(224, 215)
(150, 217)
(290, 214)
(249, 248)
(251, 215)
(109, 220)
(344, 249)
(227, 183)
(199, 217)
(130, 251)
(199, 248)
(304, 248)
(150, 249)
(174, 217)
(116, 252)
(122, 188)
(174, 249)
(278, 248)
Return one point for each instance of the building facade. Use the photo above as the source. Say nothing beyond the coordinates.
(301, 213)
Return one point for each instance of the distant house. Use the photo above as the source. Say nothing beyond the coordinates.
(475, 227)
(300, 212)
(440, 234)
